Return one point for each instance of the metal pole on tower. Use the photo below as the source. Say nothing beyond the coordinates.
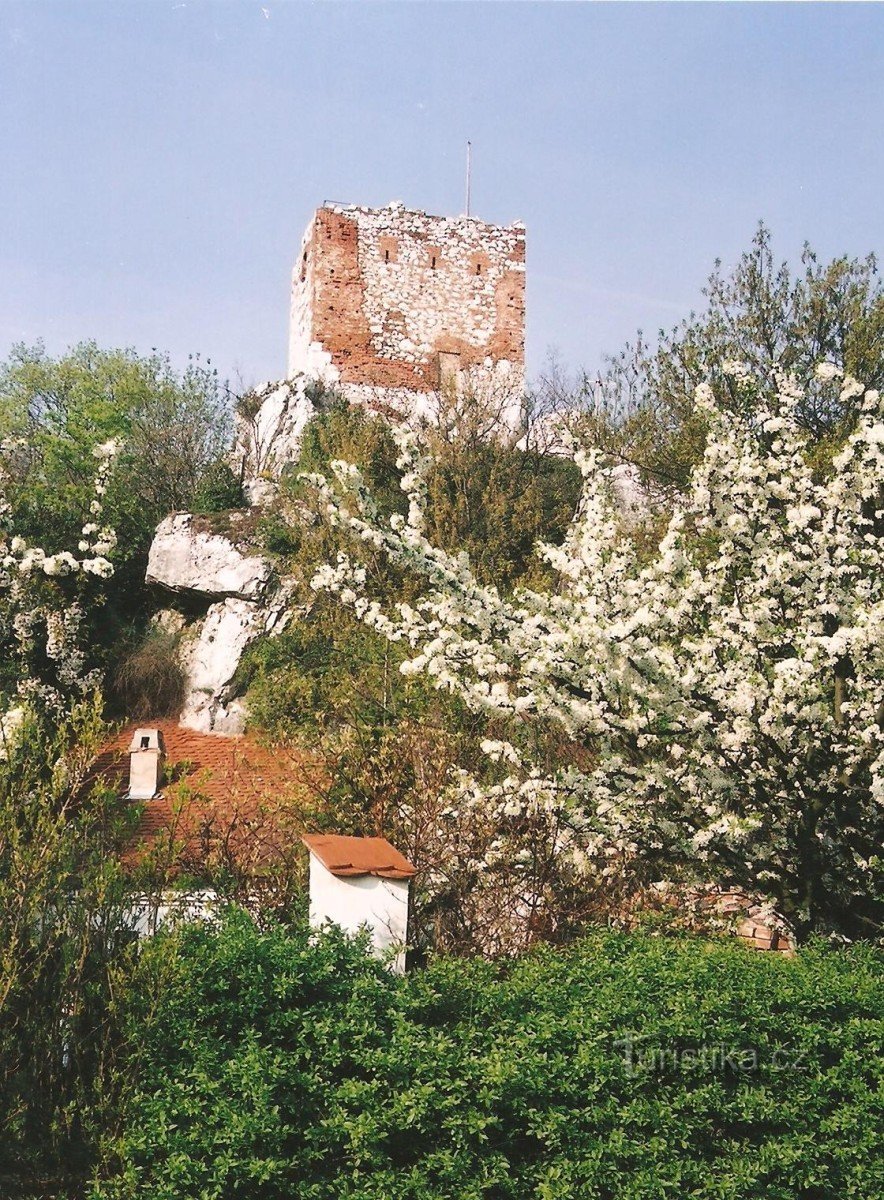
(469, 173)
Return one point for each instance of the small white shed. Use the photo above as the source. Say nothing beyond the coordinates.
(356, 881)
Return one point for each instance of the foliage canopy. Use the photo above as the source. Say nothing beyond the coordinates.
(629, 1065)
(762, 314)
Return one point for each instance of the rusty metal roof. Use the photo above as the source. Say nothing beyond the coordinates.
(358, 855)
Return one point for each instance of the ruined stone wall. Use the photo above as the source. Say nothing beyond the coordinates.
(399, 302)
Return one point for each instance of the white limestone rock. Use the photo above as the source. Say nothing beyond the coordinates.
(210, 656)
(269, 426)
(244, 598)
(211, 653)
(187, 557)
(260, 493)
(169, 621)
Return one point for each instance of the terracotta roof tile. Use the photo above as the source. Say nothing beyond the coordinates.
(223, 800)
(358, 855)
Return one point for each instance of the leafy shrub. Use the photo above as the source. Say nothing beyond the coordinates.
(65, 952)
(219, 489)
(627, 1066)
(484, 496)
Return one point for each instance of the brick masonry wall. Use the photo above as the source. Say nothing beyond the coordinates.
(382, 297)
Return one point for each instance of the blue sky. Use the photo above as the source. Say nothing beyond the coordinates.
(160, 160)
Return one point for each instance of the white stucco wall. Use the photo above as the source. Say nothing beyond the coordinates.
(356, 900)
(148, 914)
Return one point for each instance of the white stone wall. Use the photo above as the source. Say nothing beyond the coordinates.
(448, 300)
(147, 914)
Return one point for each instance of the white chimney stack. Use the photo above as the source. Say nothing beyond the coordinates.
(146, 753)
(356, 882)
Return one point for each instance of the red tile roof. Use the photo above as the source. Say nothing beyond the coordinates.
(224, 801)
(358, 855)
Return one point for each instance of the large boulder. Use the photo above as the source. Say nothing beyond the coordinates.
(189, 555)
(212, 558)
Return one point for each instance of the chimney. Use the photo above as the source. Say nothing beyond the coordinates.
(146, 753)
(361, 881)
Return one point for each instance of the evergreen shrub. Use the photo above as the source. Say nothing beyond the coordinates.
(629, 1065)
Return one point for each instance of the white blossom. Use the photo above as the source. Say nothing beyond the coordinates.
(34, 600)
(107, 450)
(10, 725)
(729, 691)
(98, 566)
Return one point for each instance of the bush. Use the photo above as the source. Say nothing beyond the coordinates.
(219, 490)
(628, 1066)
(65, 953)
(483, 495)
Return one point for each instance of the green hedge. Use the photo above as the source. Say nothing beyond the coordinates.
(630, 1066)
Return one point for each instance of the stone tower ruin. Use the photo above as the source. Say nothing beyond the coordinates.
(392, 308)
(391, 305)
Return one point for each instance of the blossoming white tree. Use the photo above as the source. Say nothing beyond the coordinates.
(41, 617)
(727, 697)
(64, 897)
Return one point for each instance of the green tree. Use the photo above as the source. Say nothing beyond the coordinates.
(65, 950)
(487, 495)
(328, 676)
(174, 426)
(762, 314)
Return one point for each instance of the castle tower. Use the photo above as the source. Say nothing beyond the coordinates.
(391, 305)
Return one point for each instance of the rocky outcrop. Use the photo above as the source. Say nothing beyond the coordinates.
(187, 555)
(212, 559)
(270, 422)
(210, 654)
(192, 557)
